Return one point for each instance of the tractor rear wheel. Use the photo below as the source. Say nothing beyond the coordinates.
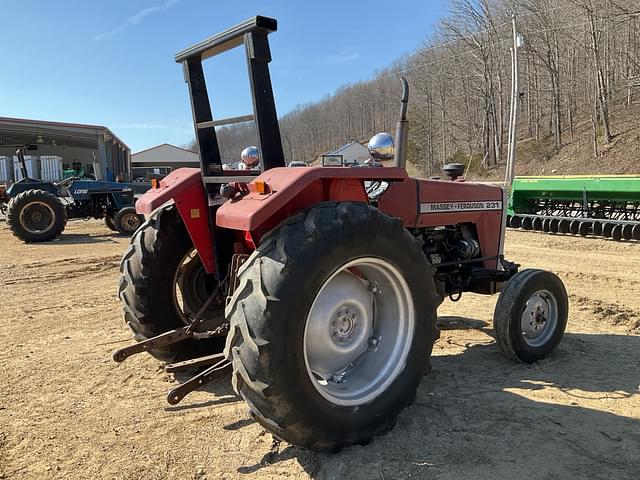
(36, 216)
(163, 284)
(332, 325)
(110, 223)
(531, 315)
(127, 221)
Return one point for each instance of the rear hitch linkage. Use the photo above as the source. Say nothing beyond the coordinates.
(219, 365)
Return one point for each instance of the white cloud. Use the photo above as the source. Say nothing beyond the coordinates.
(138, 17)
(342, 57)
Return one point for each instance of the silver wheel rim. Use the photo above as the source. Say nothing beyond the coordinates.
(539, 318)
(130, 222)
(37, 212)
(359, 331)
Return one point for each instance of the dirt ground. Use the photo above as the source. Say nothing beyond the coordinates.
(68, 411)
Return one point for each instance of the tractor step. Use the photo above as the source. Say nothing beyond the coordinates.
(219, 369)
(194, 362)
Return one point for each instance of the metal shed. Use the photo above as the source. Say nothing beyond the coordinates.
(53, 146)
(158, 161)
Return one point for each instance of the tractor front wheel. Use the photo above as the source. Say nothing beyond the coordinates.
(127, 221)
(332, 325)
(163, 285)
(531, 315)
(36, 216)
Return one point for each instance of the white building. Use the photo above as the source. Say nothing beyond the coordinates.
(158, 161)
(351, 153)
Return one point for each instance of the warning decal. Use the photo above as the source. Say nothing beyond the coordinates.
(460, 206)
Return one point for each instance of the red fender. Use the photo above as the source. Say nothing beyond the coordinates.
(184, 186)
(289, 190)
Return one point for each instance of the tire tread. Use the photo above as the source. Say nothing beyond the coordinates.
(245, 347)
(16, 204)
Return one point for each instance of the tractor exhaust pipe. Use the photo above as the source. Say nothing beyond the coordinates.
(23, 165)
(402, 127)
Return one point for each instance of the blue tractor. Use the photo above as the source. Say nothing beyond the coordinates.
(37, 210)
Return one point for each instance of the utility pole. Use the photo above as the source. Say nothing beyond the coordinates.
(515, 94)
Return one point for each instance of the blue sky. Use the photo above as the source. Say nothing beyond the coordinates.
(111, 62)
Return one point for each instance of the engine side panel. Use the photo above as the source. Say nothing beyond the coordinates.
(434, 203)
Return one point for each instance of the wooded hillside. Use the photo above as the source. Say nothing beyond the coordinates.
(580, 59)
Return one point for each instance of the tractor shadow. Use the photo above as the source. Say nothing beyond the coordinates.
(460, 323)
(83, 238)
(479, 415)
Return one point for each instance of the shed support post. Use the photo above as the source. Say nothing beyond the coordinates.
(102, 159)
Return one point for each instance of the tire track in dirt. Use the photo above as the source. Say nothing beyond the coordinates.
(69, 268)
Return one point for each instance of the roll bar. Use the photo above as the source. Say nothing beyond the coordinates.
(253, 34)
(230, 38)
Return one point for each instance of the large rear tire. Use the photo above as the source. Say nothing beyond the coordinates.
(332, 325)
(163, 284)
(36, 216)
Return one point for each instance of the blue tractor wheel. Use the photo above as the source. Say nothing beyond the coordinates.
(127, 221)
(109, 221)
(36, 216)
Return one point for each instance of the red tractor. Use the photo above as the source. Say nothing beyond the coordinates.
(317, 287)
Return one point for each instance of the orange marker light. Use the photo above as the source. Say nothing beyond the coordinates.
(261, 186)
(155, 183)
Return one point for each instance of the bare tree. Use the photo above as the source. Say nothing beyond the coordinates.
(581, 58)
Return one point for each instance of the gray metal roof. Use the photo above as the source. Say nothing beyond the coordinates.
(341, 149)
(19, 131)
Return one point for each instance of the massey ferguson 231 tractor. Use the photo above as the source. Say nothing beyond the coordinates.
(323, 281)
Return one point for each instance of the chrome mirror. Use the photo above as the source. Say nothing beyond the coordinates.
(250, 157)
(381, 146)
